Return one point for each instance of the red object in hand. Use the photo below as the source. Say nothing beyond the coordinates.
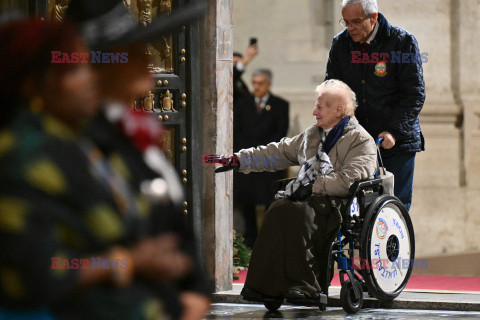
(210, 159)
(228, 163)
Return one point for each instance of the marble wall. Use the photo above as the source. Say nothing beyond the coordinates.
(217, 132)
(294, 38)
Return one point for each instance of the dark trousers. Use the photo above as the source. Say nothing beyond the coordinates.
(291, 249)
(402, 166)
(250, 190)
(248, 211)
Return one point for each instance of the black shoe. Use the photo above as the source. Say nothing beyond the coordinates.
(295, 294)
(305, 297)
(250, 294)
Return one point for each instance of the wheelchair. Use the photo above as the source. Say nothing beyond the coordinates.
(374, 249)
(379, 228)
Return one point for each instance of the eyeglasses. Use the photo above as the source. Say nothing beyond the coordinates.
(354, 23)
(260, 83)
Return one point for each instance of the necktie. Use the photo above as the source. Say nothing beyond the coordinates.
(259, 105)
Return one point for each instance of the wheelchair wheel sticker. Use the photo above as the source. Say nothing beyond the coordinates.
(389, 249)
(381, 228)
(354, 208)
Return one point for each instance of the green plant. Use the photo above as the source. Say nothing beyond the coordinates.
(241, 252)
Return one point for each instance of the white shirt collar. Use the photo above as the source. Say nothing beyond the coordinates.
(325, 134)
(374, 33)
(113, 110)
(264, 100)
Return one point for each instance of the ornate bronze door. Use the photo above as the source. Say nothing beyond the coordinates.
(34, 7)
(174, 66)
(175, 99)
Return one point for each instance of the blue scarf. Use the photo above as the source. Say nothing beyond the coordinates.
(334, 134)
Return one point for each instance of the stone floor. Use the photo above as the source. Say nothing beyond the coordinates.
(406, 300)
(257, 311)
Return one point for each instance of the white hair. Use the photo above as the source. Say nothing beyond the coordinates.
(263, 72)
(341, 91)
(369, 6)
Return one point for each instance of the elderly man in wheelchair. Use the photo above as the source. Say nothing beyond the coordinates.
(300, 237)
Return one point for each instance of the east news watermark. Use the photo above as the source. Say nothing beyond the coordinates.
(247, 160)
(89, 57)
(387, 269)
(392, 57)
(92, 263)
(380, 264)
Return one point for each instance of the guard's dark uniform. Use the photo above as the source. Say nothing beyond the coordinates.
(57, 200)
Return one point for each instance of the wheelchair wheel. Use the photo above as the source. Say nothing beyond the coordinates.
(388, 248)
(272, 304)
(351, 301)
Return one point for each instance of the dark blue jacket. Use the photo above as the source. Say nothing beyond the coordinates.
(390, 95)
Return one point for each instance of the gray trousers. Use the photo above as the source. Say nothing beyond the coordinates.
(292, 246)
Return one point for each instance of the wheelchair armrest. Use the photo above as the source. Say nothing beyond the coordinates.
(363, 184)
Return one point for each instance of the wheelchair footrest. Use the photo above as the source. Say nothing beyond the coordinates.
(323, 299)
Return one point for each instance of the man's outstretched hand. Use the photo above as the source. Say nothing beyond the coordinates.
(227, 162)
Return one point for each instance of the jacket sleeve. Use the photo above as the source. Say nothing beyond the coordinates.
(333, 68)
(236, 74)
(359, 163)
(274, 156)
(238, 135)
(411, 91)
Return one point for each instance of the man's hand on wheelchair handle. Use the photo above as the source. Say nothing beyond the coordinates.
(388, 140)
(302, 193)
(227, 162)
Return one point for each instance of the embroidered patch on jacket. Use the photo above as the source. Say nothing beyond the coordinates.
(381, 69)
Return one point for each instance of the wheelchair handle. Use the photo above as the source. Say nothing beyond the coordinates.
(379, 157)
(359, 185)
(379, 140)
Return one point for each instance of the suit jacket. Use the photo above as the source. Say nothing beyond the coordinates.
(251, 129)
(240, 89)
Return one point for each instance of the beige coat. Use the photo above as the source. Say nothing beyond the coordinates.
(353, 157)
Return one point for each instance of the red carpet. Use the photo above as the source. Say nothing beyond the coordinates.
(418, 282)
